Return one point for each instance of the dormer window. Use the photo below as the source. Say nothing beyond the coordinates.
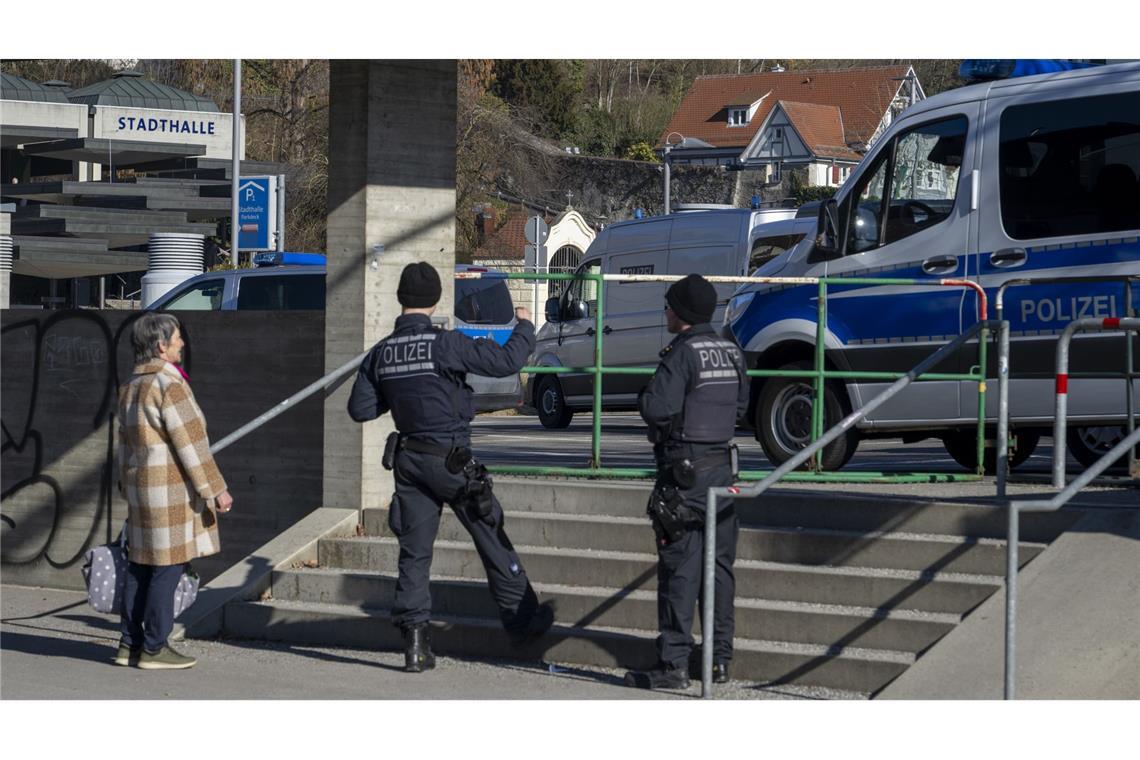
(737, 117)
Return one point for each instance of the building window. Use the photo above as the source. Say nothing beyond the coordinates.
(737, 117)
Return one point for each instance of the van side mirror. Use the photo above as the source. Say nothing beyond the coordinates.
(827, 243)
(577, 310)
(552, 313)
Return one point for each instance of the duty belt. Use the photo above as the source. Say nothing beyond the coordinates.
(423, 447)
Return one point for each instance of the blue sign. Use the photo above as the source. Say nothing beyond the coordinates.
(257, 212)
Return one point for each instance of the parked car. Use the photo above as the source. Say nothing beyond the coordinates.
(483, 308)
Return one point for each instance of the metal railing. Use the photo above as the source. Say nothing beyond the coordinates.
(979, 329)
(1015, 508)
(819, 373)
(1129, 373)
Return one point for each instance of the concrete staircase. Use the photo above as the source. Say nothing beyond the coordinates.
(837, 591)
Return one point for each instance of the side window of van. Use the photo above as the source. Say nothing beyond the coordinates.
(1070, 167)
(912, 187)
(767, 248)
(585, 290)
(205, 296)
(282, 292)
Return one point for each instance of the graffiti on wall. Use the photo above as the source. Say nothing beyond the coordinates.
(61, 376)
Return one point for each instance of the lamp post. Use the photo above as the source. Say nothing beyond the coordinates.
(683, 143)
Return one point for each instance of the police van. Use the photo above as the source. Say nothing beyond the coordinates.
(711, 241)
(285, 281)
(1023, 177)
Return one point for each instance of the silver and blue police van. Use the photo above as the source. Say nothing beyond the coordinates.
(283, 281)
(1016, 177)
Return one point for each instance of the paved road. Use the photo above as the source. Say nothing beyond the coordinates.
(519, 439)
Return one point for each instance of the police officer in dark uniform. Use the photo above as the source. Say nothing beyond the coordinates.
(418, 374)
(691, 406)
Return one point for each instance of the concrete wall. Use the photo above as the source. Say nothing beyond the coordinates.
(60, 373)
(391, 183)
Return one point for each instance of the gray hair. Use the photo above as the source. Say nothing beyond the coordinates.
(150, 329)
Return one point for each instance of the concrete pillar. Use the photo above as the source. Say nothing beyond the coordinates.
(391, 183)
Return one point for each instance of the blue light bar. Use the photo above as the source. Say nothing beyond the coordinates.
(1010, 68)
(279, 258)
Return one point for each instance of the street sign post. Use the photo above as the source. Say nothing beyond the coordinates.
(534, 255)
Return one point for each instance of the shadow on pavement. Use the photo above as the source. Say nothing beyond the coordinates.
(50, 646)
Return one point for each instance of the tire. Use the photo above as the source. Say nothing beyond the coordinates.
(961, 445)
(1088, 444)
(551, 404)
(783, 419)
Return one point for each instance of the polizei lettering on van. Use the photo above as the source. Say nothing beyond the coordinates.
(179, 126)
(1068, 309)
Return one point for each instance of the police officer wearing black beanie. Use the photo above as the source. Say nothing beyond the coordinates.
(691, 406)
(418, 373)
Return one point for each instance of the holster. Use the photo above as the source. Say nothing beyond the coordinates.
(477, 492)
(667, 512)
(390, 447)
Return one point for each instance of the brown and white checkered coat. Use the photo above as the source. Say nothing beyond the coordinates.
(166, 470)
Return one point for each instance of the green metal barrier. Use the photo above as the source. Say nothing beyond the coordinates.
(819, 374)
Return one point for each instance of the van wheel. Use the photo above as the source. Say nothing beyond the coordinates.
(551, 404)
(962, 446)
(783, 419)
(1088, 444)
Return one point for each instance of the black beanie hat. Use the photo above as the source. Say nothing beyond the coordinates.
(419, 286)
(693, 299)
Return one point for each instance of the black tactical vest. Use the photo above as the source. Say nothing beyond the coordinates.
(422, 397)
(709, 413)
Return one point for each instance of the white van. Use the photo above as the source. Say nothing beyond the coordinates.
(1035, 176)
(710, 242)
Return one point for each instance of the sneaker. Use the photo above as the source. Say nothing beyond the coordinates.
(127, 655)
(165, 659)
(661, 677)
(538, 624)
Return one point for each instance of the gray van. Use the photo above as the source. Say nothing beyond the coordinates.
(729, 242)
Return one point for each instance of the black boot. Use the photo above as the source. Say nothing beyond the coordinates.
(720, 672)
(661, 677)
(418, 656)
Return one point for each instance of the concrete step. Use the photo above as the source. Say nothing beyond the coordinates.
(827, 625)
(99, 214)
(765, 662)
(789, 508)
(860, 587)
(788, 545)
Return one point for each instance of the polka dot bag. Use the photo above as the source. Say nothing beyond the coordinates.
(105, 575)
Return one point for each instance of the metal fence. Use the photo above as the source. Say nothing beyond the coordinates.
(819, 374)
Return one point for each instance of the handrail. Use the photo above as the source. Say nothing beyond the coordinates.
(1112, 324)
(801, 457)
(1015, 508)
(290, 402)
(1129, 364)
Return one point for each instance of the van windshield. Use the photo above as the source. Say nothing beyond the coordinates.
(483, 302)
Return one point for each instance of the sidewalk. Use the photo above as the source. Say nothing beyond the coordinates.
(56, 647)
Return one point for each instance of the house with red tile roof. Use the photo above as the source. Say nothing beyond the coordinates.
(822, 119)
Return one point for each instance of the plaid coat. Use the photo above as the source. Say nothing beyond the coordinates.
(166, 470)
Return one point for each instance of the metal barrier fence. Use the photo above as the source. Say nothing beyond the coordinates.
(1129, 369)
(819, 373)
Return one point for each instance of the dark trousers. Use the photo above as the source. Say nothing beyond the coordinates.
(148, 605)
(423, 485)
(680, 566)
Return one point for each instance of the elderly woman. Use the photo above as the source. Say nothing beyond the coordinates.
(173, 490)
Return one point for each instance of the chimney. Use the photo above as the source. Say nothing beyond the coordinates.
(484, 224)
